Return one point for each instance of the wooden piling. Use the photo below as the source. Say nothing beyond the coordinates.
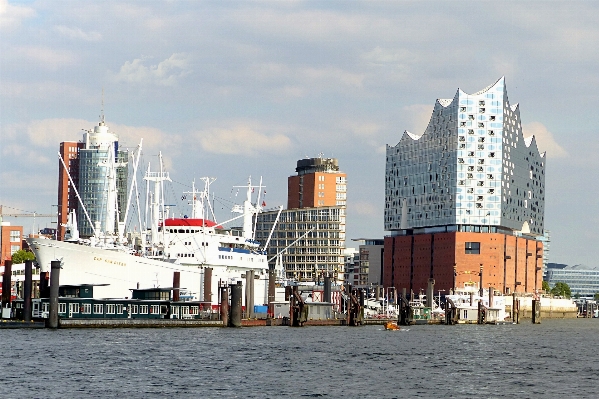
(27, 291)
(236, 304)
(54, 286)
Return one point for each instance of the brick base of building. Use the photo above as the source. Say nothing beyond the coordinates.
(508, 263)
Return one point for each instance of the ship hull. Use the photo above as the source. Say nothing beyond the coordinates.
(122, 271)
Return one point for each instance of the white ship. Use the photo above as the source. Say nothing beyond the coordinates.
(116, 262)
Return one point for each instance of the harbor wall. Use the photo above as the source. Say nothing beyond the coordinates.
(551, 308)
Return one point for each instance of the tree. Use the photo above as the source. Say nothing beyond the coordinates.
(561, 289)
(546, 287)
(21, 256)
(596, 297)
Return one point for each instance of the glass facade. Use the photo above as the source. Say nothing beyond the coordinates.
(583, 280)
(471, 166)
(94, 185)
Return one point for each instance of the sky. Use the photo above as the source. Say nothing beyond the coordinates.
(233, 89)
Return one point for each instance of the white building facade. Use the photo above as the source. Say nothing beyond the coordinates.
(311, 241)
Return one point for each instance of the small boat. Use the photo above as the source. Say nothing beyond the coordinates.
(391, 325)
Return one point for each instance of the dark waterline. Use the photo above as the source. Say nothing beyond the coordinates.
(555, 359)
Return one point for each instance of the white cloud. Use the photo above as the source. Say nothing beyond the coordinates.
(47, 57)
(25, 154)
(416, 117)
(545, 140)
(78, 34)
(44, 90)
(165, 73)
(301, 81)
(242, 139)
(362, 208)
(399, 60)
(11, 16)
(48, 133)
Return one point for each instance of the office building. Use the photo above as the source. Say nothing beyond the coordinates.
(466, 197)
(310, 234)
(368, 272)
(99, 173)
(583, 280)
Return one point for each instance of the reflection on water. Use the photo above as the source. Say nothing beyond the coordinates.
(554, 359)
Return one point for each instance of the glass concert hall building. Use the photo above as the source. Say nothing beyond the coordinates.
(466, 197)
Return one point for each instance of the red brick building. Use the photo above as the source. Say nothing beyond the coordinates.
(509, 263)
(11, 239)
(67, 199)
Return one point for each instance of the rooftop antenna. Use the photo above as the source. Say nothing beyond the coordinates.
(102, 110)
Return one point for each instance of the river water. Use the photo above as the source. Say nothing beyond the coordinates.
(555, 359)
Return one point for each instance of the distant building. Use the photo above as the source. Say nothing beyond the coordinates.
(11, 241)
(352, 265)
(546, 239)
(88, 165)
(369, 271)
(311, 232)
(583, 280)
(466, 195)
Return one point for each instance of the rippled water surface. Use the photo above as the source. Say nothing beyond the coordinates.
(558, 358)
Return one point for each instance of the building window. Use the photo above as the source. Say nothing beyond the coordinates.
(98, 308)
(15, 236)
(143, 309)
(110, 309)
(134, 309)
(62, 308)
(473, 248)
(87, 308)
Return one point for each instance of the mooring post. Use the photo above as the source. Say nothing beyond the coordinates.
(327, 288)
(236, 302)
(272, 277)
(247, 294)
(27, 291)
(54, 285)
(6, 288)
(208, 287)
(250, 306)
(224, 304)
(430, 290)
(361, 316)
(536, 311)
(176, 286)
(44, 279)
